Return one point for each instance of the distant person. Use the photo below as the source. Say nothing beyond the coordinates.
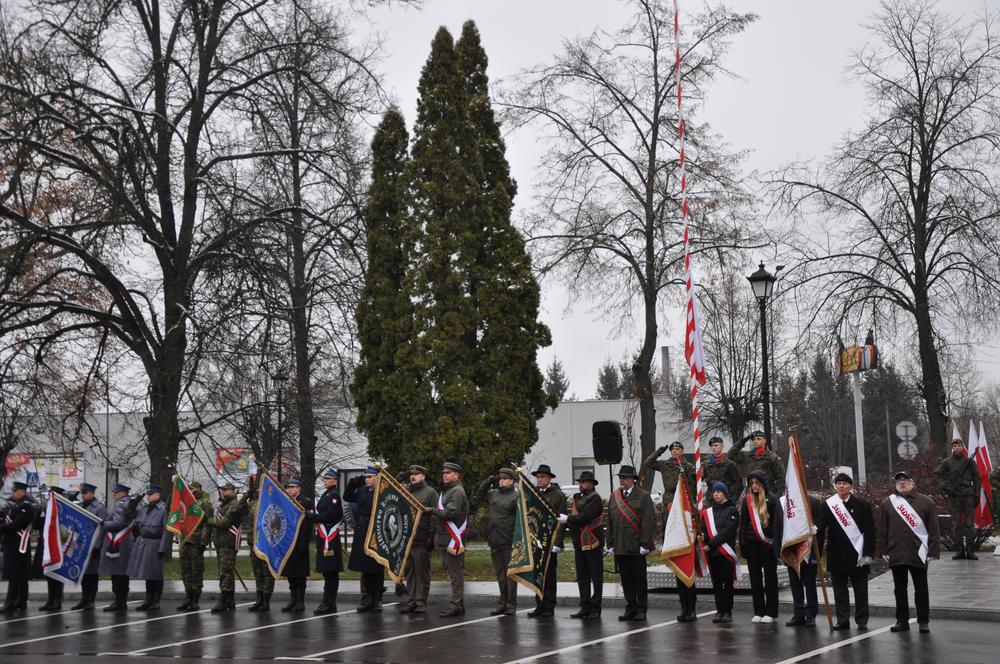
(360, 494)
(630, 538)
(149, 550)
(850, 546)
(117, 545)
(720, 468)
(958, 476)
(452, 512)
(802, 582)
(263, 579)
(192, 552)
(418, 568)
(327, 520)
(227, 531)
(909, 537)
(54, 588)
(586, 528)
(762, 459)
(296, 569)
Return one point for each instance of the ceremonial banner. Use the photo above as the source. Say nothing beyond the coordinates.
(535, 528)
(796, 534)
(680, 548)
(276, 524)
(69, 536)
(234, 464)
(395, 517)
(980, 453)
(185, 513)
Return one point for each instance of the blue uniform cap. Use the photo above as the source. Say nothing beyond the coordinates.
(331, 473)
(292, 483)
(121, 488)
(84, 487)
(19, 486)
(371, 470)
(152, 488)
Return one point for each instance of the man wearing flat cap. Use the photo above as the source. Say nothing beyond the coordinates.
(498, 494)
(554, 497)
(849, 524)
(88, 583)
(152, 542)
(15, 532)
(192, 552)
(452, 513)
(671, 469)
(116, 547)
(418, 567)
(630, 537)
(909, 537)
(226, 528)
(586, 527)
(760, 458)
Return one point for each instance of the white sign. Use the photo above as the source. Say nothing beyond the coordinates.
(907, 450)
(906, 431)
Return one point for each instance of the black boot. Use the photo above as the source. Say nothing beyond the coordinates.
(119, 603)
(256, 605)
(265, 604)
(226, 602)
(187, 601)
(300, 600)
(195, 598)
(292, 594)
(57, 605)
(154, 603)
(324, 606)
(86, 602)
(366, 604)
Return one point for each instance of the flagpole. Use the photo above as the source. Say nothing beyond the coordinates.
(793, 443)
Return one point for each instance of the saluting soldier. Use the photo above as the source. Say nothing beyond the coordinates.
(361, 496)
(418, 566)
(909, 537)
(192, 552)
(54, 595)
(88, 583)
(545, 605)
(263, 579)
(327, 519)
(671, 469)
(452, 512)
(959, 479)
(720, 468)
(761, 459)
(15, 528)
(152, 541)
(501, 502)
(850, 547)
(586, 528)
(630, 538)
(226, 531)
(297, 567)
(117, 545)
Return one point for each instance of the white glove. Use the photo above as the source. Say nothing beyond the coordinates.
(885, 558)
(556, 549)
(611, 550)
(815, 530)
(864, 560)
(643, 550)
(563, 518)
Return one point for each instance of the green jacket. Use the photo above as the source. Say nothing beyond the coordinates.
(228, 519)
(958, 476)
(456, 509)
(631, 522)
(670, 470)
(203, 535)
(767, 462)
(722, 470)
(502, 503)
(428, 497)
(556, 499)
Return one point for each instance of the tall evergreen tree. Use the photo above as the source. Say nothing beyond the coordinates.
(556, 381)
(609, 381)
(392, 399)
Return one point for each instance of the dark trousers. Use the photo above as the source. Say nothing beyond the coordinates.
(803, 587)
(119, 586)
(721, 570)
(331, 584)
(154, 587)
(842, 599)
(55, 590)
(590, 578)
(633, 576)
(88, 584)
(17, 593)
(763, 570)
(688, 597)
(371, 585)
(920, 593)
(548, 599)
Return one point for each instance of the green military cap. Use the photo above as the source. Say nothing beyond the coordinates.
(510, 473)
(453, 467)
(195, 485)
(418, 469)
(228, 485)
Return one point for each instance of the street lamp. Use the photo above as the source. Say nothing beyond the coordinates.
(762, 283)
(279, 380)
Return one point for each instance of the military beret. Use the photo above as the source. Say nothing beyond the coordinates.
(714, 439)
(757, 434)
(843, 477)
(453, 467)
(507, 472)
(195, 485)
(676, 445)
(84, 488)
(228, 486)
(418, 469)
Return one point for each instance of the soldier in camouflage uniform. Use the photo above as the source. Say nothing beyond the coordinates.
(226, 527)
(671, 469)
(263, 580)
(762, 459)
(192, 552)
(718, 468)
(959, 479)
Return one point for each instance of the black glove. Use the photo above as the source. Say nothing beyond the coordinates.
(746, 439)
(661, 450)
(161, 555)
(492, 479)
(356, 482)
(202, 548)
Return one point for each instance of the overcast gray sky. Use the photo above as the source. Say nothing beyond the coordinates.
(792, 101)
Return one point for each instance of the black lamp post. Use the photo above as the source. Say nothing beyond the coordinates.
(762, 283)
(279, 380)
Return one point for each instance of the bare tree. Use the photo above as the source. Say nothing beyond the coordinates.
(608, 217)
(904, 216)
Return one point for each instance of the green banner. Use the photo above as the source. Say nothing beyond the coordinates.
(535, 528)
(395, 516)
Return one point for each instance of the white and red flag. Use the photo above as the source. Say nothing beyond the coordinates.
(680, 548)
(980, 453)
(796, 533)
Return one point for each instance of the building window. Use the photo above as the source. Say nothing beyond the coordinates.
(581, 464)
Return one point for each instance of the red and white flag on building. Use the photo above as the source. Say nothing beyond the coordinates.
(980, 453)
(796, 533)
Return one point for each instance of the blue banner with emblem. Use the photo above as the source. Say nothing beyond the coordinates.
(69, 536)
(276, 524)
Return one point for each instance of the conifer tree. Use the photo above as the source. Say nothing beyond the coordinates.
(556, 381)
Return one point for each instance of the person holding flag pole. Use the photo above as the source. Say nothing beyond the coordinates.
(88, 584)
(682, 550)
(189, 507)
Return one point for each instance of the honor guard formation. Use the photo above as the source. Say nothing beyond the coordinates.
(746, 523)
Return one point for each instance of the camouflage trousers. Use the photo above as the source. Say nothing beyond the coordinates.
(262, 575)
(963, 512)
(192, 566)
(227, 564)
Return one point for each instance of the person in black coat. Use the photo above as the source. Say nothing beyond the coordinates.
(803, 582)
(760, 538)
(720, 523)
(15, 532)
(297, 567)
(360, 494)
(845, 513)
(326, 520)
(54, 598)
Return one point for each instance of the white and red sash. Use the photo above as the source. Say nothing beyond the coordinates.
(25, 535)
(115, 540)
(910, 517)
(758, 529)
(237, 532)
(329, 535)
(847, 523)
(455, 547)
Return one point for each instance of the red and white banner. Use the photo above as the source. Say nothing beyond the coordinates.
(52, 547)
(980, 453)
(796, 532)
(680, 548)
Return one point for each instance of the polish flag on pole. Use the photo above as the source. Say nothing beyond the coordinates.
(680, 548)
(796, 533)
(980, 453)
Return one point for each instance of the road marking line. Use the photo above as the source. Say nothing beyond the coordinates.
(613, 637)
(58, 613)
(240, 631)
(317, 656)
(106, 627)
(839, 644)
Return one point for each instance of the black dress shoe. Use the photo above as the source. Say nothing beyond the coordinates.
(534, 613)
(582, 613)
(626, 616)
(862, 627)
(726, 618)
(717, 618)
(451, 612)
(797, 621)
(900, 627)
(809, 622)
(547, 613)
(497, 611)
(408, 608)
(840, 627)
(640, 616)
(925, 628)
(593, 615)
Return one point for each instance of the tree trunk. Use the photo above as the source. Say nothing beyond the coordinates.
(644, 386)
(931, 384)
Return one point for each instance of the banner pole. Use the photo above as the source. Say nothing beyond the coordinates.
(793, 443)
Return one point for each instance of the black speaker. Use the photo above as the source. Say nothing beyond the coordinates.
(607, 442)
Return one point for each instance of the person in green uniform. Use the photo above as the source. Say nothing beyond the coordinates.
(498, 493)
(418, 569)
(263, 580)
(631, 525)
(719, 468)
(226, 528)
(553, 496)
(452, 513)
(760, 458)
(671, 469)
(192, 552)
(959, 480)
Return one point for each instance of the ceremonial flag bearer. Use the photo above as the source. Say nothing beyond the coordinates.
(418, 569)
(327, 520)
(502, 504)
(88, 584)
(360, 494)
(296, 569)
(117, 545)
(551, 493)
(452, 512)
